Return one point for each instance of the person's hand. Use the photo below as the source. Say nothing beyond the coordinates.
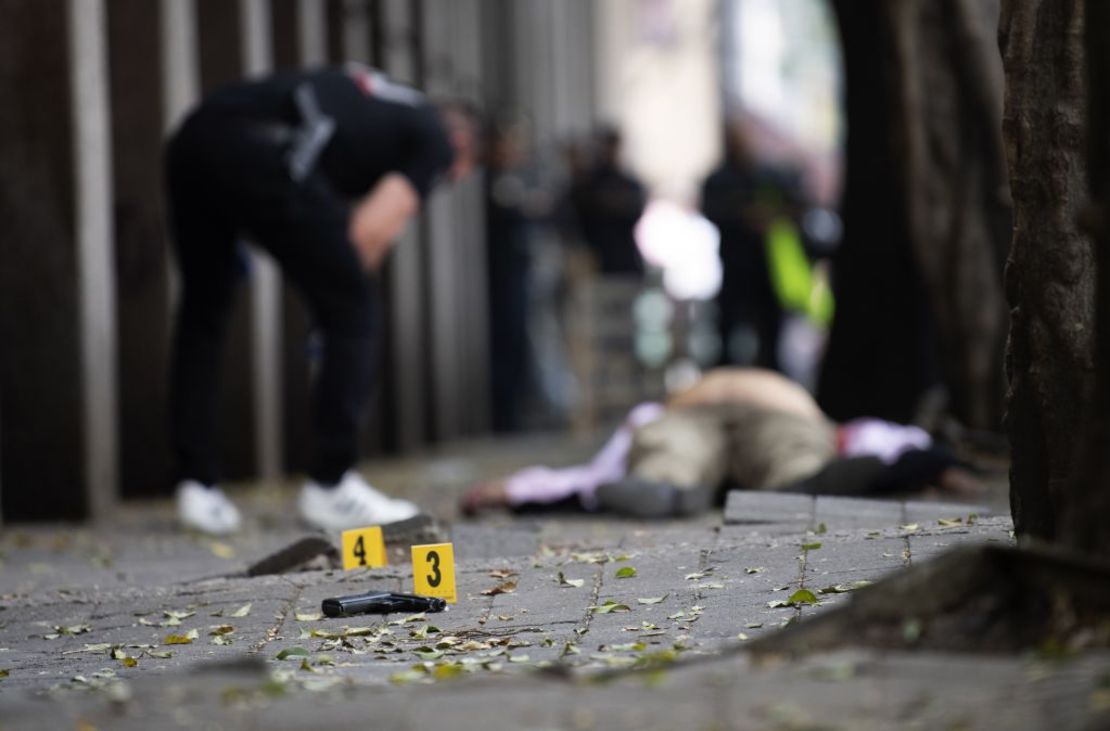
(370, 242)
(381, 217)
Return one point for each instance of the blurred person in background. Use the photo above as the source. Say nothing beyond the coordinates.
(609, 202)
(323, 169)
(739, 199)
(513, 204)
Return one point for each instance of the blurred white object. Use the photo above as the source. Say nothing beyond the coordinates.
(684, 244)
(681, 375)
(801, 346)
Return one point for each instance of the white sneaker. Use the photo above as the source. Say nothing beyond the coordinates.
(351, 504)
(206, 509)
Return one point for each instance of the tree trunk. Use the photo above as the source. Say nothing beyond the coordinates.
(881, 355)
(947, 103)
(926, 212)
(1085, 522)
(1050, 276)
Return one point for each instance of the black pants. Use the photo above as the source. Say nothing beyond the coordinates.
(226, 178)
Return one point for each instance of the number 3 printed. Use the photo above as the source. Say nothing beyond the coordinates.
(435, 577)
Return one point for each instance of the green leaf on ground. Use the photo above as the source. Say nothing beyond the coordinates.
(223, 629)
(656, 659)
(408, 676)
(811, 546)
(821, 529)
(292, 652)
(950, 522)
(651, 599)
(242, 611)
(222, 550)
(626, 572)
(801, 597)
(609, 607)
(4, 674)
(741, 636)
(912, 629)
(629, 647)
(448, 670)
(308, 616)
(427, 653)
(910, 527)
(185, 639)
(753, 625)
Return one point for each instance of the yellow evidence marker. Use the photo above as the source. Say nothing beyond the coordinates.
(433, 571)
(364, 547)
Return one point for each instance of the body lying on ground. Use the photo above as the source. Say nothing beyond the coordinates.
(744, 427)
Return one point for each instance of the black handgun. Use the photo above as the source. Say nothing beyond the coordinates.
(381, 602)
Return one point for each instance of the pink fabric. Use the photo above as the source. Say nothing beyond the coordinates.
(545, 485)
(883, 439)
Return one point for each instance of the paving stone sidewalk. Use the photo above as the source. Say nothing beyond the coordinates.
(147, 627)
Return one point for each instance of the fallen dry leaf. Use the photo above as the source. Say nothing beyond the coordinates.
(505, 587)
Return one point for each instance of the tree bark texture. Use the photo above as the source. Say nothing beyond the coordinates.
(1085, 521)
(947, 137)
(926, 209)
(1050, 273)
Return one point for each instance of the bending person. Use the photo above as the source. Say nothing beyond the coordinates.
(322, 169)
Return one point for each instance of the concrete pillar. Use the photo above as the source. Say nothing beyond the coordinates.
(257, 47)
(456, 273)
(221, 56)
(406, 282)
(180, 68)
(356, 30)
(94, 231)
(43, 466)
(141, 266)
(312, 37)
(300, 40)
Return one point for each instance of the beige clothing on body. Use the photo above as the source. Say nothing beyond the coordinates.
(754, 426)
